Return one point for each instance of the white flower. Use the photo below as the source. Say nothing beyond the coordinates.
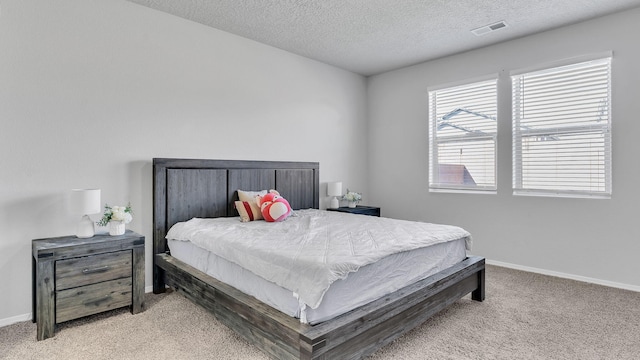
(352, 196)
(120, 213)
(116, 213)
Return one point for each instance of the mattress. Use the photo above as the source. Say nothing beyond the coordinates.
(359, 287)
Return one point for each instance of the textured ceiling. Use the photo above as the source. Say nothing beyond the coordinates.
(373, 36)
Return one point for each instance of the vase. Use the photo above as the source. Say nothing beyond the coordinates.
(116, 228)
(353, 204)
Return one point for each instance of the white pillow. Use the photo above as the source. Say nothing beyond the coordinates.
(249, 198)
(247, 212)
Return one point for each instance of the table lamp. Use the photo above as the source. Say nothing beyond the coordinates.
(85, 202)
(334, 189)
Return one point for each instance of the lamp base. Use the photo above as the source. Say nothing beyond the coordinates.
(85, 228)
(334, 203)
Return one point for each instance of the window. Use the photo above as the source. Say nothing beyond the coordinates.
(462, 135)
(561, 130)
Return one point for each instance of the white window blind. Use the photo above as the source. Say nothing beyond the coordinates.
(561, 130)
(462, 135)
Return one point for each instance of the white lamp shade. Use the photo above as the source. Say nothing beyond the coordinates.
(334, 189)
(85, 201)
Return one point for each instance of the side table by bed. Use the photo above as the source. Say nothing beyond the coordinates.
(359, 209)
(74, 277)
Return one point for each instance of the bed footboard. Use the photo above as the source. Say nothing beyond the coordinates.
(353, 335)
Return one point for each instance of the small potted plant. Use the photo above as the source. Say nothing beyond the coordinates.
(352, 197)
(116, 217)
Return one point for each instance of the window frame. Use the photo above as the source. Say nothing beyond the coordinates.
(434, 141)
(518, 133)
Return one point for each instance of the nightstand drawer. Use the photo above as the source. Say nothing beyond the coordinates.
(92, 299)
(86, 270)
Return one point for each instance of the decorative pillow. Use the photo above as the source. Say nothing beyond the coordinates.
(248, 205)
(247, 212)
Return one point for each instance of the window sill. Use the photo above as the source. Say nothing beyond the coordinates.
(561, 194)
(462, 191)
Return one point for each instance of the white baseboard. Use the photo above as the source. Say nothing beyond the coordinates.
(15, 319)
(565, 276)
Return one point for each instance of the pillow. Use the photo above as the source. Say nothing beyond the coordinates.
(250, 195)
(247, 211)
(247, 207)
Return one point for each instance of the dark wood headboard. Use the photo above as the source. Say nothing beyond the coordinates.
(188, 188)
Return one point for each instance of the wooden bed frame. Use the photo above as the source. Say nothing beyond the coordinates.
(186, 188)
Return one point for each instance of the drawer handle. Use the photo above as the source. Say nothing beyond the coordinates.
(95, 270)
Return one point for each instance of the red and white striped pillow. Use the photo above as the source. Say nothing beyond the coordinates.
(247, 207)
(248, 212)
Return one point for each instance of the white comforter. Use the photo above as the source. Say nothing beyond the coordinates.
(309, 251)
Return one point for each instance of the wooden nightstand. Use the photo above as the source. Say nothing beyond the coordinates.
(359, 209)
(75, 277)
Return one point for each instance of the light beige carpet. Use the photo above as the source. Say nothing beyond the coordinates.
(525, 316)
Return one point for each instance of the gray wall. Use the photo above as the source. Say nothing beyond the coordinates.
(91, 91)
(581, 238)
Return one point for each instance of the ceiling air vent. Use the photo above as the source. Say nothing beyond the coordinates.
(489, 28)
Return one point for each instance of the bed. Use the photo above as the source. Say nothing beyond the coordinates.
(188, 188)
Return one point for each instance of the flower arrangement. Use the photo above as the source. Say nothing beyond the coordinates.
(116, 213)
(352, 196)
